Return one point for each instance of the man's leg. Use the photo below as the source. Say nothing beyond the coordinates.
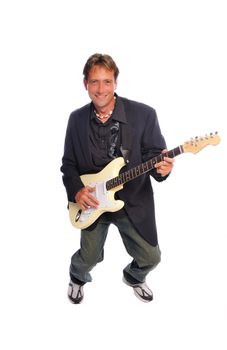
(145, 258)
(90, 253)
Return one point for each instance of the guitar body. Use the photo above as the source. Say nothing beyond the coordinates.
(83, 218)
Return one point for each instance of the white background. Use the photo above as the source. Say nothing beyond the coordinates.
(172, 56)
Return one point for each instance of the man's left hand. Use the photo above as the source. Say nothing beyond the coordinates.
(165, 166)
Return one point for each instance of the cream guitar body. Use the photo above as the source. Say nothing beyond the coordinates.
(82, 219)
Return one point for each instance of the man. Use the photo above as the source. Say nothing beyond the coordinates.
(109, 127)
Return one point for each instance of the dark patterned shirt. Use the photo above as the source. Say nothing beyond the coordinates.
(105, 138)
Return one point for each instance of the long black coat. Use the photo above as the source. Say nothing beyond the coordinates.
(146, 142)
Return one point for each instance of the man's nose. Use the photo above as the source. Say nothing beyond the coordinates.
(101, 87)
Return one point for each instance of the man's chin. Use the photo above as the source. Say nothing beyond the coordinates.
(100, 103)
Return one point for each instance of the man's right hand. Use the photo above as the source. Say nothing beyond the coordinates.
(85, 199)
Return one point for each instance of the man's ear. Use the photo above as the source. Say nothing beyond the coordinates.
(115, 85)
(85, 84)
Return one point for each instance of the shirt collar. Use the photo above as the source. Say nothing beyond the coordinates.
(119, 111)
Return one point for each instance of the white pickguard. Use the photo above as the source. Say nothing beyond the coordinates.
(104, 202)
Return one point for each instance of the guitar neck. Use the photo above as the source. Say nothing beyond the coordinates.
(141, 169)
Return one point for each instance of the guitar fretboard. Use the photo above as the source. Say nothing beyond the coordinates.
(141, 169)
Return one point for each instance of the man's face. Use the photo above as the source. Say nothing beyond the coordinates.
(101, 85)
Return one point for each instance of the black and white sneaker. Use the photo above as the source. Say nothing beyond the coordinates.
(75, 293)
(141, 290)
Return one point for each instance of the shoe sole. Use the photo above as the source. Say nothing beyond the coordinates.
(135, 292)
(74, 301)
(140, 298)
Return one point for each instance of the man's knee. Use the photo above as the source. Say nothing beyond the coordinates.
(91, 258)
(151, 257)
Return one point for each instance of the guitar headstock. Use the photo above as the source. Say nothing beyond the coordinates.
(198, 143)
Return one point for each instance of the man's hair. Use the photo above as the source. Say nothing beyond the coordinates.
(100, 60)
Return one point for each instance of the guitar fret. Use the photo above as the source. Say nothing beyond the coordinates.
(120, 179)
(131, 174)
(137, 171)
(145, 167)
(127, 174)
(116, 181)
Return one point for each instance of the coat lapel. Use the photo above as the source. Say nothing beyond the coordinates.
(83, 136)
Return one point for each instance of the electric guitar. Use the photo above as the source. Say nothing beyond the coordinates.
(108, 181)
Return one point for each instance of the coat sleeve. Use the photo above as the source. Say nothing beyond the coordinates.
(153, 142)
(69, 168)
